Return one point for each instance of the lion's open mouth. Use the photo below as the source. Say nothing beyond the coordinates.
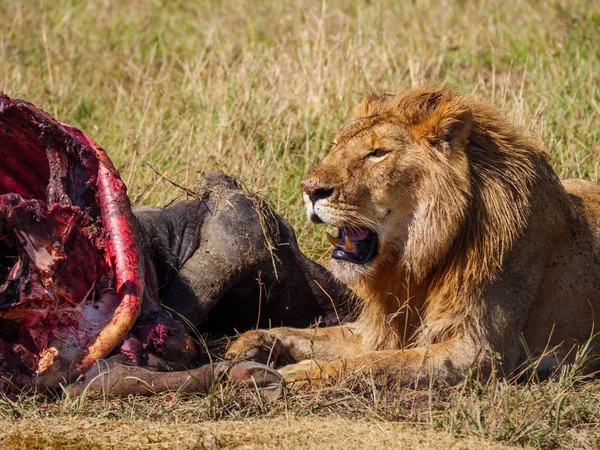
(353, 244)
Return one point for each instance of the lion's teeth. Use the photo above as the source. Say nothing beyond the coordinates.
(349, 244)
(332, 239)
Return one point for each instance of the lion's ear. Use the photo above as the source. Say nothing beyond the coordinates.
(456, 128)
(446, 124)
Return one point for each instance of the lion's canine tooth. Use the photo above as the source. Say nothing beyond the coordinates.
(349, 244)
(332, 239)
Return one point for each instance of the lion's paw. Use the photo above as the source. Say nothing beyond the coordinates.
(260, 346)
(311, 373)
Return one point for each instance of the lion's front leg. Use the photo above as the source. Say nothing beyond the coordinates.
(283, 346)
(316, 373)
(446, 362)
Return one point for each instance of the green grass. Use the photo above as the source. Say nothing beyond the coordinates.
(257, 89)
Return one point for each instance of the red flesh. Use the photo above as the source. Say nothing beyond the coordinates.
(75, 288)
(124, 254)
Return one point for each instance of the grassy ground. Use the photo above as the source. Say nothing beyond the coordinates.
(256, 88)
(282, 433)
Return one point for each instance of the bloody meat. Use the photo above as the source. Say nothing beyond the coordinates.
(71, 270)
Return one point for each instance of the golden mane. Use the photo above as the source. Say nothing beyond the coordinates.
(471, 213)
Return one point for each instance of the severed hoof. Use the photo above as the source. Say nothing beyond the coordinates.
(116, 379)
(256, 377)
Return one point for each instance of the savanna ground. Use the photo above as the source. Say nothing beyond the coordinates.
(256, 88)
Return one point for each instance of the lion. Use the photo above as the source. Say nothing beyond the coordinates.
(463, 245)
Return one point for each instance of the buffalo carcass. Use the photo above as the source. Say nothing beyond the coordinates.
(81, 275)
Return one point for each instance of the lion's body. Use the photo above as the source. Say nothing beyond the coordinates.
(480, 246)
(567, 303)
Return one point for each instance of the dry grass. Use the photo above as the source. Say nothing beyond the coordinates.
(279, 433)
(256, 88)
(560, 413)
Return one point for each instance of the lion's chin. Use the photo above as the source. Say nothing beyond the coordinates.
(350, 273)
(354, 255)
(386, 259)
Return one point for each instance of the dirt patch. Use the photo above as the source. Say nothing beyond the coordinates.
(70, 433)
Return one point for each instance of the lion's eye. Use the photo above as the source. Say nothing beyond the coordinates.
(378, 153)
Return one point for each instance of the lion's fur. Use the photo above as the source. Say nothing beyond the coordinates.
(480, 206)
(480, 243)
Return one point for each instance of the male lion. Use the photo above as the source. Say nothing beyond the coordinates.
(458, 237)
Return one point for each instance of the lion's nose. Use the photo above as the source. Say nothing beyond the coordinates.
(316, 191)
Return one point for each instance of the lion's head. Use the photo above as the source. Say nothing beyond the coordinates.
(416, 174)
